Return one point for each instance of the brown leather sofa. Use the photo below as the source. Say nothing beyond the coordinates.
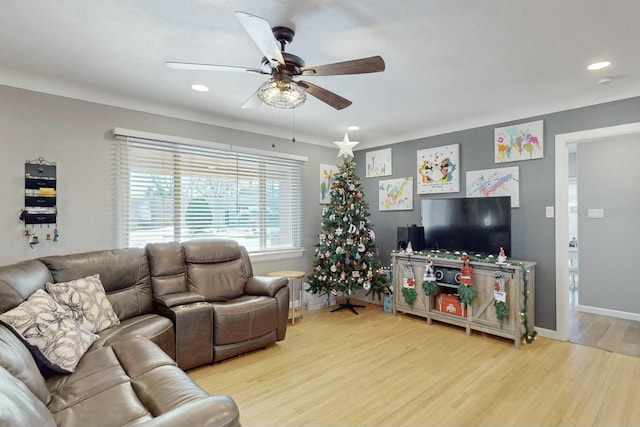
(194, 302)
(128, 383)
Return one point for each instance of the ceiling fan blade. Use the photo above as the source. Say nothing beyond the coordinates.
(260, 31)
(373, 64)
(252, 102)
(210, 67)
(328, 97)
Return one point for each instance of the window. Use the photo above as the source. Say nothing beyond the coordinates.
(175, 191)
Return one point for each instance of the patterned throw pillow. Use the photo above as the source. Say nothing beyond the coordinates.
(54, 339)
(85, 301)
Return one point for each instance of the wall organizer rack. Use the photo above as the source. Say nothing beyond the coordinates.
(480, 315)
(40, 200)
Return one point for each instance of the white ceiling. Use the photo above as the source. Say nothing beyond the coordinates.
(450, 64)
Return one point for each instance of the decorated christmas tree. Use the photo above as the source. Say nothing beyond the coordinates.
(346, 255)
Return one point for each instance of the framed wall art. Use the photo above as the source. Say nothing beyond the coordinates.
(495, 183)
(327, 176)
(395, 194)
(439, 170)
(519, 142)
(379, 163)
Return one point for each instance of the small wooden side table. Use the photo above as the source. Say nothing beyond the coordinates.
(292, 276)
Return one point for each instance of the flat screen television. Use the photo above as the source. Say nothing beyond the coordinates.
(479, 225)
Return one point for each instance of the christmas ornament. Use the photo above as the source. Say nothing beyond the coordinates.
(502, 258)
(346, 147)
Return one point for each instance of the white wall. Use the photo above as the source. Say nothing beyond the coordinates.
(608, 177)
(76, 135)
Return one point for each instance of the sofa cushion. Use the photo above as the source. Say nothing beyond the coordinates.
(56, 341)
(96, 372)
(20, 280)
(20, 407)
(244, 319)
(217, 282)
(157, 328)
(215, 268)
(116, 406)
(85, 301)
(107, 378)
(15, 357)
(124, 273)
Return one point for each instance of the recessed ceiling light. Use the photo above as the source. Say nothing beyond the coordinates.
(598, 65)
(354, 128)
(200, 88)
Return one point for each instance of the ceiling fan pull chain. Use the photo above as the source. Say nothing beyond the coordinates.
(293, 124)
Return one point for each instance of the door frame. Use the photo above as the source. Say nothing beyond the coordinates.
(562, 142)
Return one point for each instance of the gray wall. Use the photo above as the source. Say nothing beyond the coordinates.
(608, 177)
(77, 136)
(533, 235)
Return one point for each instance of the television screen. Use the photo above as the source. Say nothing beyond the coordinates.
(479, 225)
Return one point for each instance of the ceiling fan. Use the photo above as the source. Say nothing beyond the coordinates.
(281, 90)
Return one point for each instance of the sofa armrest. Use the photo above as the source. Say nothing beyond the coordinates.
(193, 326)
(178, 298)
(214, 410)
(265, 285)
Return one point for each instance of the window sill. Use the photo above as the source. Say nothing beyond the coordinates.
(276, 255)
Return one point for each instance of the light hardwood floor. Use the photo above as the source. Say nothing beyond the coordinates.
(376, 369)
(603, 332)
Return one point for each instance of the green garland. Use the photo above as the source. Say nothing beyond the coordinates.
(466, 293)
(410, 296)
(430, 287)
(502, 311)
(529, 334)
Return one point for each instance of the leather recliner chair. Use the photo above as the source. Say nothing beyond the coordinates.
(218, 306)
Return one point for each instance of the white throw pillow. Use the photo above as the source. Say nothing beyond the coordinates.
(54, 339)
(85, 301)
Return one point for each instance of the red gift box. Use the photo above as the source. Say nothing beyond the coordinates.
(450, 304)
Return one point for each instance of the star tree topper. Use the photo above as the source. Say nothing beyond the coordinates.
(346, 146)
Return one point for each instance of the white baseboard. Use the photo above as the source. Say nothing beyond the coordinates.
(548, 333)
(607, 312)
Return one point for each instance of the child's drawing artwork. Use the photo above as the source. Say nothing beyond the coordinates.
(395, 194)
(495, 183)
(379, 163)
(439, 170)
(519, 142)
(327, 176)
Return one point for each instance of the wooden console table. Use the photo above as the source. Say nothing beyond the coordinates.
(481, 315)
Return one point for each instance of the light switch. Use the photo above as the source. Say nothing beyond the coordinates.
(549, 212)
(595, 213)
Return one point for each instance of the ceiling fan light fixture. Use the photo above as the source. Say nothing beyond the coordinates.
(282, 93)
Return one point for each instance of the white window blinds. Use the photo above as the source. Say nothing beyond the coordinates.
(173, 191)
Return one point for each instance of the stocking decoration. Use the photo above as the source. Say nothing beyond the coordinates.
(500, 297)
(409, 285)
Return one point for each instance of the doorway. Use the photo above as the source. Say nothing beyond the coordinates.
(562, 144)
